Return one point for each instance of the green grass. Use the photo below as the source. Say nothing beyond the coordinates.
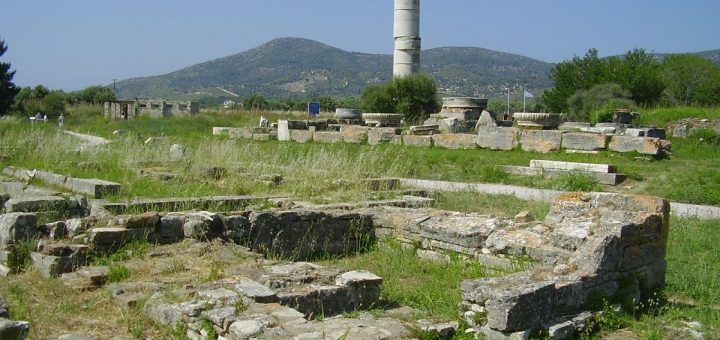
(662, 116)
(500, 205)
(433, 288)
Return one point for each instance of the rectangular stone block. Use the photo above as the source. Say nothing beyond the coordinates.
(38, 204)
(301, 136)
(264, 136)
(50, 178)
(354, 133)
(283, 131)
(571, 166)
(541, 140)
(327, 137)
(17, 227)
(96, 188)
(497, 138)
(455, 140)
(643, 145)
(382, 135)
(240, 133)
(412, 140)
(584, 141)
(221, 131)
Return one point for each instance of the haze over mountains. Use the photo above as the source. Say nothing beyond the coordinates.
(298, 68)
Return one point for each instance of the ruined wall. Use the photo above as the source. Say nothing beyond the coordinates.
(167, 108)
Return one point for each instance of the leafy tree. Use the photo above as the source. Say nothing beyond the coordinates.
(571, 76)
(255, 103)
(8, 90)
(54, 102)
(377, 98)
(39, 92)
(327, 103)
(691, 80)
(639, 73)
(96, 94)
(584, 102)
(414, 96)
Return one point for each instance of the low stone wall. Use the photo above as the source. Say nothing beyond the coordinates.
(494, 138)
(93, 187)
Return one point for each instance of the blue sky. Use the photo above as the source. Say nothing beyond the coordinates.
(71, 44)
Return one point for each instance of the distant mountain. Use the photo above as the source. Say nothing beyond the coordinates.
(298, 68)
(294, 67)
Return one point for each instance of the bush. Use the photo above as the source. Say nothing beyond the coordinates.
(585, 102)
(414, 96)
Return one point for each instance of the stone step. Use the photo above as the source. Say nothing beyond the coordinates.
(603, 178)
(573, 166)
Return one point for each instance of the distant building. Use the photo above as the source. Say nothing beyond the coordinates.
(127, 109)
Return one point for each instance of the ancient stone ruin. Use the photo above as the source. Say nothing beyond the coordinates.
(590, 245)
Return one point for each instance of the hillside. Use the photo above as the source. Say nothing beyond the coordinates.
(293, 67)
(298, 68)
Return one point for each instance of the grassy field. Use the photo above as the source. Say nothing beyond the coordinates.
(690, 175)
(311, 171)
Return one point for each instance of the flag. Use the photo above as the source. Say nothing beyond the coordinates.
(529, 95)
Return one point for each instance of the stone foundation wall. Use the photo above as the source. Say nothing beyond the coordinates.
(488, 137)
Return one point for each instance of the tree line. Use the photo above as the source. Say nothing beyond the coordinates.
(588, 84)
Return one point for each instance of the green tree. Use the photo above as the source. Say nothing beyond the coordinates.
(39, 92)
(584, 102)
(571, 76)
(255, 103)
(96, 94)
(639, 73)
(54, 102)
(8, 90)
(414, 96)
(691, 80)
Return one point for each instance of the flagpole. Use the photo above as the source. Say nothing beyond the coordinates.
(524, 96)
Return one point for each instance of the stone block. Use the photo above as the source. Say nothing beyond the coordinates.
(264, 136)
(96, 188)
(382, 135)
(573, 126)
(177, 152)
(39, 204)
(413, 140)
(14, 329)
(86, 278)
(108, 237)
(203, 226)
(244, 133)
(283, 131)
(16, 227)
(256, 291)
(301, 136)
(144, 220)
(50, 178)
(354, 133)
(600, 129)
(643, 145)
(585, 141)
(327, 137)
(497, 138)
(221, 131)
(455, 140)
(52, 266)
(541, 140)
(571, 166)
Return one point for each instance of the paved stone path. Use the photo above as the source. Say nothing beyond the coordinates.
(545, 195)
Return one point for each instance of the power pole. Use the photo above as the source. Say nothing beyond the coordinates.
(115, 88)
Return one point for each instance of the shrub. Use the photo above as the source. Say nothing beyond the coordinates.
(414, 96)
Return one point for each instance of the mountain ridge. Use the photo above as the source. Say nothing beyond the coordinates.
(298, 68)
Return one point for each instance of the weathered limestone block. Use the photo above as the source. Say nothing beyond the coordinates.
(264, 136)
(221, 131)
(382, 135)
(38, 204)
(585, 141)
(455, 140)
(145, 220)
(413, 140)
(50, 178)
(245, 133)
(237, 228)
(16, 227)
(86, 278)
(283, 131)
(301, 234)
(96, 188)
(571, 166)
(301, 136)
(364, 287)
(354, 133)
(327, 137)
(256, 291)
(14, 329)
(51, 266)
(541, 140)
(203, 225)
(643, 145)
(497, 138)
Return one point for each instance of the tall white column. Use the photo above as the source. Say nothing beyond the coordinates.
(406, 59)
